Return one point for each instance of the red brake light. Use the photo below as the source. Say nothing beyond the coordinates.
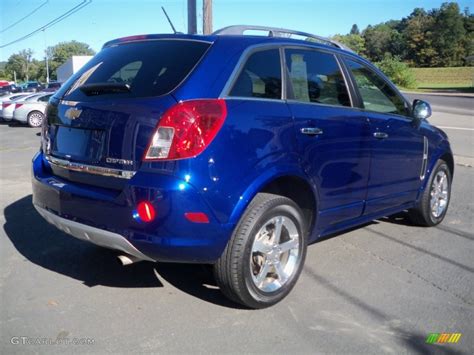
(18, 106)
(186, 129)
(146, 211)
(132, 38)
(5, 104)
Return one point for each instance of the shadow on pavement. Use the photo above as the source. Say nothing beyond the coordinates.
(46, 246)
(13, 124)
(414, 342)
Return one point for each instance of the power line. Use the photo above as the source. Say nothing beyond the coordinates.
(58, 19)
(26, 16)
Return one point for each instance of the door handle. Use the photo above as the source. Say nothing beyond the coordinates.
(380, 135)
(312, 131)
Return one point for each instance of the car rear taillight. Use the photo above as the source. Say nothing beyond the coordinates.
(18, 106)
(145, 212)
(186, 129)
(5, 104)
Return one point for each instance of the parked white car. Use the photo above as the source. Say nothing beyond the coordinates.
(9, 98)
(8, 106)
(31, 109)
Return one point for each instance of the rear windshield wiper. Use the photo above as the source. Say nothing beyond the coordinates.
(104, 88)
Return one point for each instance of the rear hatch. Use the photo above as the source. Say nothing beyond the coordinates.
(101, 120)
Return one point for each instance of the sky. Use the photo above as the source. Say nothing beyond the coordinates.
(103, 20)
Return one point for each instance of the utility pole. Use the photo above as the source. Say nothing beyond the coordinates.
(206, 17)
(46, 57)
(192, 25)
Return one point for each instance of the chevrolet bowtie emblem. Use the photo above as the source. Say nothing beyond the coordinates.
(73, 113)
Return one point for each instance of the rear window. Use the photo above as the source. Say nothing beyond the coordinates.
(149, 68)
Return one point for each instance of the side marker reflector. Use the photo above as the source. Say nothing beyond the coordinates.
(197, 217)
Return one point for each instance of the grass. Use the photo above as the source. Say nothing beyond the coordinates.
(460, 79)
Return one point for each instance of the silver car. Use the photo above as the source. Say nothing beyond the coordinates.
(9, 98)
(8, 106)
(31, 109)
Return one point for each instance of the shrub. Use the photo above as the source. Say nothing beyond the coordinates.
(397, 71)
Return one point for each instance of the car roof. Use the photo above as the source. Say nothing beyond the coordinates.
(250, 40)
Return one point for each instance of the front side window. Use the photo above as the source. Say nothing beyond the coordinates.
(260, 76)
(377, 95)
(316, 77)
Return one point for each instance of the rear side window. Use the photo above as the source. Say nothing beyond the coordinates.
(260, 77)
(149, 68)
(316, 77)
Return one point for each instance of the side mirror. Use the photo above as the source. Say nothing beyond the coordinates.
(421, 110)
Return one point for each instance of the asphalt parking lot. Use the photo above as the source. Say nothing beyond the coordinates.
(381, 288)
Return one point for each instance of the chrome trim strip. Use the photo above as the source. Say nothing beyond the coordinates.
(424, 164)
(68, 103)
(91, 234)
(91, 169)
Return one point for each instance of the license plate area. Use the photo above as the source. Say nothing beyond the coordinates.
(79, 144)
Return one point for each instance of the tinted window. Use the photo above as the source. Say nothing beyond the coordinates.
(32, 98)
(45, 98)
(151, 68)
(260, 76)
(316, 77)
(377, 95)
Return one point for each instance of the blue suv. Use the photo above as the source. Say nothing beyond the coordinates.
(234, 150)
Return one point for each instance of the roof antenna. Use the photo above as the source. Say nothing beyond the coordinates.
(168, 18)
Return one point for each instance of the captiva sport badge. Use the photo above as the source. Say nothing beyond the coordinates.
(73, 113)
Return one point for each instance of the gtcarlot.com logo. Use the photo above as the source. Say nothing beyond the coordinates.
(24, 340)
(443, 338)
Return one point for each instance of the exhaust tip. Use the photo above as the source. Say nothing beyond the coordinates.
(128, 259)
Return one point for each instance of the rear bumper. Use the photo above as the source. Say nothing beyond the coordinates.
(96, 236)
(109, 212)
(7, 116)
(19, 116)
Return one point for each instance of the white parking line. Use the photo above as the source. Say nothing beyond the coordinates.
(457, 128)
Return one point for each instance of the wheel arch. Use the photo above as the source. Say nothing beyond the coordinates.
(292, 184)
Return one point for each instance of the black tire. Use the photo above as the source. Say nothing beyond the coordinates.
(35, 119)
(422, 214)
(233, 271)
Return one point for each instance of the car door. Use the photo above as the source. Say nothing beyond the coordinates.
(396, 143)
(333, 138)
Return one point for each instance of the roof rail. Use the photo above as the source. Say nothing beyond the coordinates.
(239, 30)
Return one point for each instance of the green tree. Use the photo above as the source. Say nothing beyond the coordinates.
(468, 42)
(449, 35)
(379, 41)
(397, 71)
(418, 37)
(353, 41)
(20, 63)
(355, 30)
(60, 53)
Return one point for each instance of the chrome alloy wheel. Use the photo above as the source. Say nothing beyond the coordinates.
(275, 254)
(36, 119)
(439, 194)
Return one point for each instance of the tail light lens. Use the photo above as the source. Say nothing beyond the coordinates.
(5, 104)
(18, 106)
(186, 129)
(145, 212)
